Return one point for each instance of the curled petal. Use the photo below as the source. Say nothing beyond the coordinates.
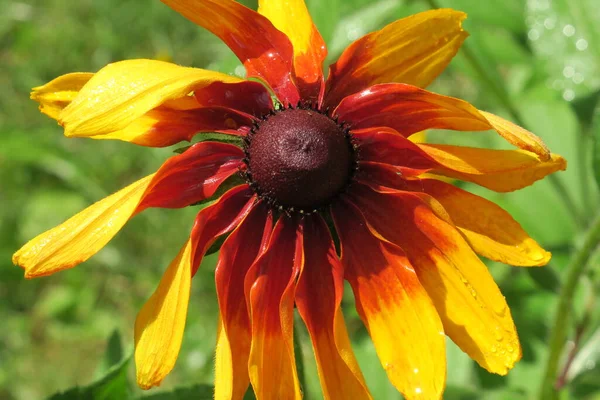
(266, 52)
(270, 288)
(233, 346)
(318, 298)
(490, 230)
(184, 179)
(474, 312)
(412, 50)
(397, 311)
(292, 18)
(160, 323)
(55, 95)
(498, 170)
(122, 92)
(409, 109)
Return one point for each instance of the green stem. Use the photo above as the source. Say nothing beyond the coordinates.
(560, 324)
(504, 99)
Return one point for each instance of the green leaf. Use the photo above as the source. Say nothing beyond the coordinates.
(112, 386)
(196, 392)
(507, 14)
(565, 35)
(113, 354)
(546, 278)
(213, 137)
(595, 130)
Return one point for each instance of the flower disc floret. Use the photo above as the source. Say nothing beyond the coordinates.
(299, 159)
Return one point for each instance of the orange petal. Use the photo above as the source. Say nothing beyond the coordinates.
(55, 95)
(409, 109)
(219, 218)
(266, 52)
(499, 170)
(318, 298)
(490, 230)
(233, 347)
(270, 287)
(292, 18)
(160, 323)
(183, 180)
(474, 312)
(403, 323)
(122, 92)
(413, 50)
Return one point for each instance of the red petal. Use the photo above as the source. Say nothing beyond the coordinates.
(248, 97)
(270, 287)
(218, 219)
(318, 298)
(395, 308)
(266, 52)
(385, 145)
(237, 255)
(372, 173)
(408, 110)
(192, 176)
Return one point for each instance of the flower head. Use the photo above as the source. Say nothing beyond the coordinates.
(310, 159)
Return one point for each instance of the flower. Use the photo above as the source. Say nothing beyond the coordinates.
(326, 159)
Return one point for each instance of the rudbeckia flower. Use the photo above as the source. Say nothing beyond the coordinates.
(318, 159)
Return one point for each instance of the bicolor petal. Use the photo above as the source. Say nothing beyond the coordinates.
(401, 319)
(474, 312)
(412, 50)
(318, 298)
(183, 180)
(237, 255)
(55, 95)
(160, 323)
(498, 170)
(409, 109)
(490, 230)
(120, 93)
(292, 18)
(270, 287)
(265, 51)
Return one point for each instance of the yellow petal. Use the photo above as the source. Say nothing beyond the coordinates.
(160, 323)
(498, 170)
(397, 311)
(490, 230)
(472, 309)
(292, 18)
(81, 236)
(121, 92)
(55, 95)
(518, 136)
(413, 50)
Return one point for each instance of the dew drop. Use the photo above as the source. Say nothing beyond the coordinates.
(568, 71)
(533, 34)
(569, 30)
(568, 95)
(418, 390)
(581, 44)
(578, 78)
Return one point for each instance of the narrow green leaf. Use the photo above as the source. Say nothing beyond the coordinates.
(196, 392)
(595, 129)
(112, 356)
(113, 385)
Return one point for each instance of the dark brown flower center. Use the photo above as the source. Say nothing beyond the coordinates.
(299, 159)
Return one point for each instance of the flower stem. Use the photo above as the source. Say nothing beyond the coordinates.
(560, 324)
(504, 99)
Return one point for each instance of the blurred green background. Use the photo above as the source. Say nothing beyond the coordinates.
(539, 57)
